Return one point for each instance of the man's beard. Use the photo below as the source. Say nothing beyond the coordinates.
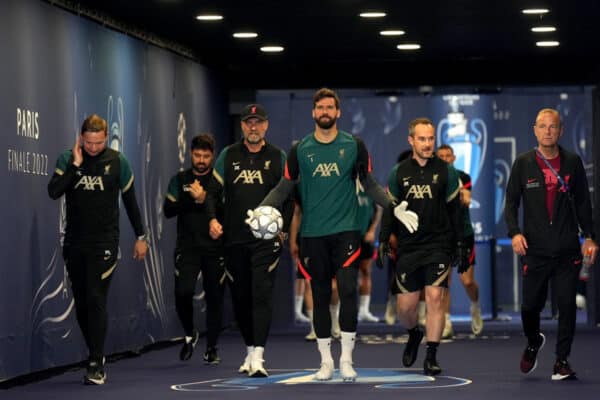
(253, 140)
(200, 168)
(325, 124)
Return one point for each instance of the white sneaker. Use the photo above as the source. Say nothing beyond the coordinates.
(311, 337)
(302, 318)
(366, 316)
(476, 321)
(448, 332)
(325, 373)
(245, 367)
(347, 372)
(580, 301)
(257, 370)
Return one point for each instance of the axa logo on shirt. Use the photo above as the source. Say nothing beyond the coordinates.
(248, 176)
(90, 183)
(326, 169)
(419, 192)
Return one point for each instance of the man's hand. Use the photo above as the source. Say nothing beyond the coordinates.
(410, 219)
(519, 244)
(463, 257)
(77, 153)
(197, 191)
(592, 247)
(215, 229)
(140, 249)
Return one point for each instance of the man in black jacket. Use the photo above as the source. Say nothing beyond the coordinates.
(195, 250)
(245, 172)
(557, 210)
(91, 176)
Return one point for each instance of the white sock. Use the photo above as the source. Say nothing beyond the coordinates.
(324, 346)
(364, 304)
(348, 339)
(475, 304)
(249, 350)
(258, 352)
(298, 300)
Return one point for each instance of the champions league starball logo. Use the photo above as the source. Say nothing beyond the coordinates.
(467, 138)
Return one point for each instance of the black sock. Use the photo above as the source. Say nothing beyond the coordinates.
(432, 349)
(413, 331)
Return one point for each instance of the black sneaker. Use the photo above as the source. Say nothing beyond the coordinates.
(431, 367)
(211, 356)
(529, 357)
(562, 371)
(412, 347)
(188, 348)
(95, 374)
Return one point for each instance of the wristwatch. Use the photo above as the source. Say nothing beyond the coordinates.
(143, 237)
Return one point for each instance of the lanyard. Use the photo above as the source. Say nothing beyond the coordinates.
(562, 182)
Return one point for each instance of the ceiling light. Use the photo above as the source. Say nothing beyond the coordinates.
(408, 46)
(543, 29)
(271, 49)
(245, 35)
(209, 17)
(391, 33)
(547, 43)
(373, 14)
(535, 11)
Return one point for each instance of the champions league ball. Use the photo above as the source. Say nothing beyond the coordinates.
(265, 222)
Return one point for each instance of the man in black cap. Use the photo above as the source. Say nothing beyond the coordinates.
(245, 172)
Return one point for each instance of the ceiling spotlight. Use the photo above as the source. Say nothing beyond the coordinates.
(271, 49)
(408, 46)
(529, 11)
(543, 29)
(547, 43)
(372, 14)
(392, 33)
(209, 17)
(245, 35)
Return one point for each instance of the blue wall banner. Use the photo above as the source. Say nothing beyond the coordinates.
(58, 68)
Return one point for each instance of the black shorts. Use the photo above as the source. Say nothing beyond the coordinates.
(322, 256)
(300, 270)
(425, 275)
(367, 250)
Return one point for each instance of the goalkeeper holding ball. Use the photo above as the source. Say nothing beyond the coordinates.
(246, 171)
(329, 166)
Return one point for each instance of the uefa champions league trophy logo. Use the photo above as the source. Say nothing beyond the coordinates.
(181, 145)
(468, 140)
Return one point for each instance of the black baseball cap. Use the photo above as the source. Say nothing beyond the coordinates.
(254, 111)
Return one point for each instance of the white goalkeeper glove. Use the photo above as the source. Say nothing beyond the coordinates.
(410, 219)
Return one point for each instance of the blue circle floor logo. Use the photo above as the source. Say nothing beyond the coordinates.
(380, 378)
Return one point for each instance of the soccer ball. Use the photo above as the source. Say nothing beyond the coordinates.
(265, 222)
